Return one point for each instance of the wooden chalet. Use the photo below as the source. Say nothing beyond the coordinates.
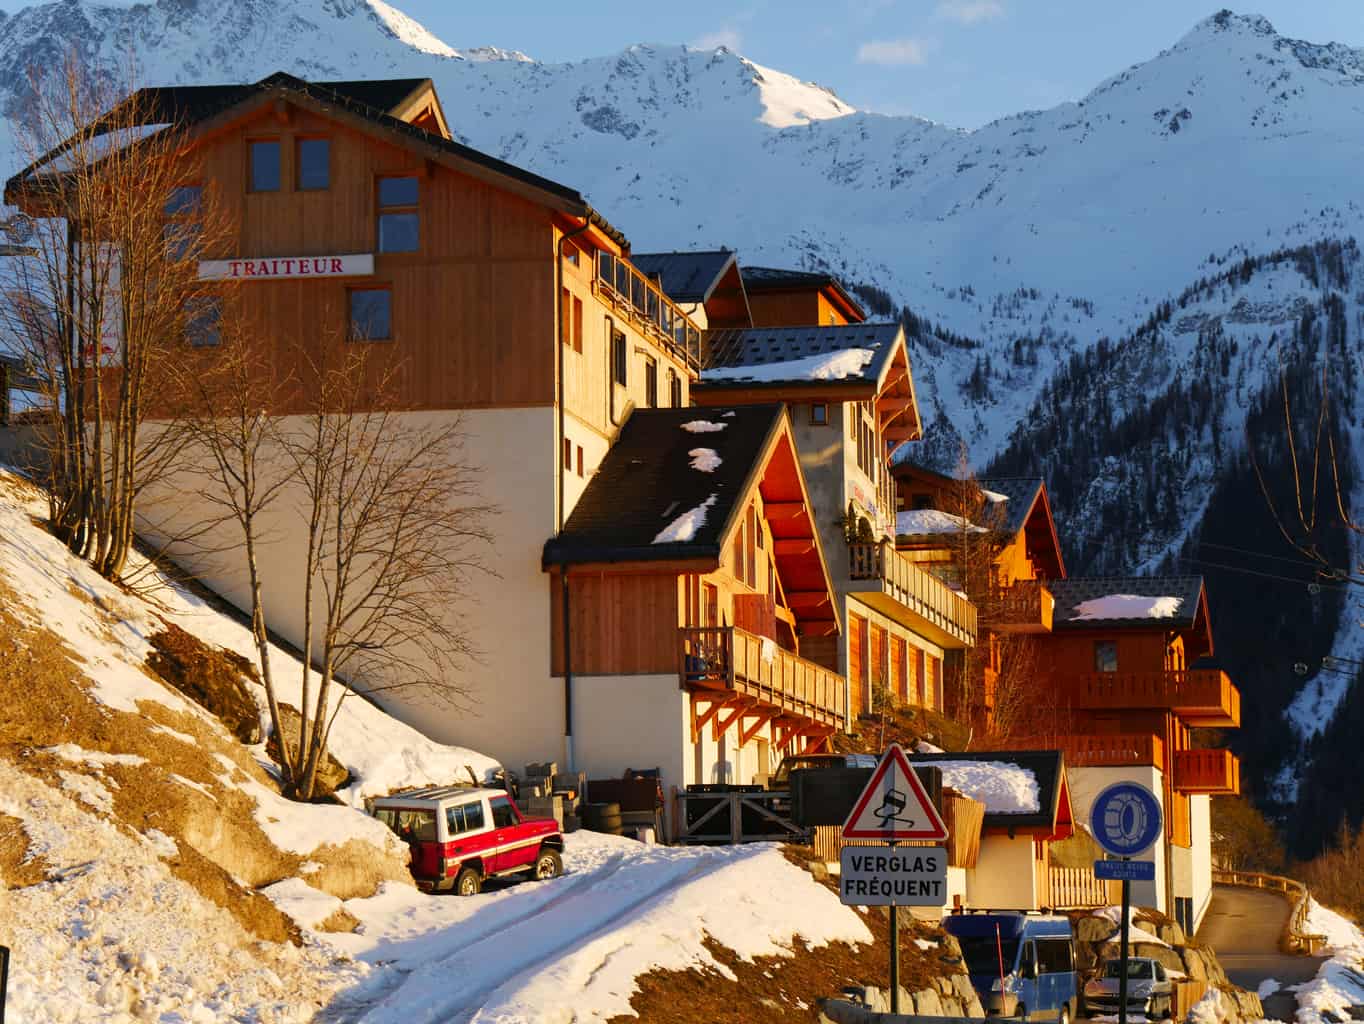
(693, 558)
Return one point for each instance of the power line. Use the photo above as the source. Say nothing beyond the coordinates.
(1259, 554)
(1265, 575)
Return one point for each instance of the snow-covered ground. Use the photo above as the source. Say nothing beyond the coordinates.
(1339, 984)
(117, 915)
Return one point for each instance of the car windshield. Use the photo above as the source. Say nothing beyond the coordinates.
(790, 764)
(410, 826)
(1137, 970)
(982, 953)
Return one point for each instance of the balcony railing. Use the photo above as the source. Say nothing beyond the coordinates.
(1200, 696)
(726, 658)
(950, 618)
(1207, 771)
(647, 307)
(1096, 750)
(1025, 606)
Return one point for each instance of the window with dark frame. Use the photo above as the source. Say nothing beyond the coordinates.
(1105, 656)
(371, 314)
(203, 322)
(580, 460)
(265, 165)
(568, 454)
(313, 164)
(651, 382)
(674, 389)
(577, 324)
(819, 413)
(620, 357)
(399, 224)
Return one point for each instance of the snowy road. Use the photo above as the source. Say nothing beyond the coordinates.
(1244, 927)
(571, 948)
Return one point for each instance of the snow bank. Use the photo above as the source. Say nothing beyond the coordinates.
(1002, 787)
(930, 520)
(994, 496)
(1129, 606)
(571, 948)
(109, 630)
(1339, 983)
(685, 526)
(848, 362)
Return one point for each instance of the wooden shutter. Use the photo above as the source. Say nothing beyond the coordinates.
(857, 662)
(877, 661)
(897, 669)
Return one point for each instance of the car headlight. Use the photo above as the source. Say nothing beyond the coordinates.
(1008, 984)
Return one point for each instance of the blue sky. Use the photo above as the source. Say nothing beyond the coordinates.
(962, 62)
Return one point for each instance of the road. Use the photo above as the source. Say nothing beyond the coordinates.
(1243, 926)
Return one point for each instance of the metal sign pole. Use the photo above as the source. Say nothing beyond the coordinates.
(895, 953)
(1122, 950)
(4, 980)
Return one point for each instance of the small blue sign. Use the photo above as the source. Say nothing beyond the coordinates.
(1126, 819)
(1125, 870)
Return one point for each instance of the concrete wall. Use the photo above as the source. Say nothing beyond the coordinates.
(1003, 877)
(1087, 783)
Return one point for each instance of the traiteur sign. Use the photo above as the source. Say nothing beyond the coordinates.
(276, 268)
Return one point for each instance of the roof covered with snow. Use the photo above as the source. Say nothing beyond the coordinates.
(685, 276)
(1023, 789)
(1170, 602)
(782, 357)
(668, 486)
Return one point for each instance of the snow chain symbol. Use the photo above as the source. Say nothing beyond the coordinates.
(1125, 819)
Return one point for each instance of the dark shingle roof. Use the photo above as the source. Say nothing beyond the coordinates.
(646, 481)
(685, 276)
(758, 278)
(188, 105)
(1071, 593)
(776, 356)
(1021, 491)
(1046, 766)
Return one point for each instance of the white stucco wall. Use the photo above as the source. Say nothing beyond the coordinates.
(1003, 877)
(513, 710)
(1087, 783)
(1200, 814)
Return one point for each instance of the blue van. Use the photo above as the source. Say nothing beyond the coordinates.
(1022, 965)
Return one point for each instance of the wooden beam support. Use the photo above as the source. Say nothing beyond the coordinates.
(761, 716)
(720, 725)
(699, 721)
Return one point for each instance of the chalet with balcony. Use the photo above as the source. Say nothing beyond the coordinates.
(503, 299)
(707, 284)
(687, 589)
(852, 402)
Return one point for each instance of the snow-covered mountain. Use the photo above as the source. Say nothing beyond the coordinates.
(1056, 263)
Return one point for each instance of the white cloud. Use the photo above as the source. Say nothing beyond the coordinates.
(969, 12)
(729, 38)
(894, 51)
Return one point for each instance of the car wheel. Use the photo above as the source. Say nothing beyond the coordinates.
(469, 882)
(548, 864)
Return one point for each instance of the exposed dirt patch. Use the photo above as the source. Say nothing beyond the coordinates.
(18, 868)
(777, 989)
(905, 726)
(212, 677)
(331, 773)
(341, 920)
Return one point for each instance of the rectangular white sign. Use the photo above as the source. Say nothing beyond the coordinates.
(906, 876)
(275, 268)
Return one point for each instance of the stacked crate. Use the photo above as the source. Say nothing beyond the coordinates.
(550, 793)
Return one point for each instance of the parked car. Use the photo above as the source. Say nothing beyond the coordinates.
(1149, 988)
(460, 837)
(1022, 965)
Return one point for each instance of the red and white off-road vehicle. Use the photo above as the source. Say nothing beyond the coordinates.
(460, 837)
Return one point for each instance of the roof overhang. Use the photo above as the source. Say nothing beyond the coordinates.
(1041, 538)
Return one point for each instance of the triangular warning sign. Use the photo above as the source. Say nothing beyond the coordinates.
(894, 805)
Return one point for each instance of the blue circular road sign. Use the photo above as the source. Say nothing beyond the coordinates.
(1125, 819)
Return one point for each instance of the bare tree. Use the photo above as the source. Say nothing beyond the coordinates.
(393, 538)
(105, 303)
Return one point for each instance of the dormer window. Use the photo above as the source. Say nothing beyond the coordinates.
(399, 229)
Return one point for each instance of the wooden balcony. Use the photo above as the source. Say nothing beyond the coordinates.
(1095, 750)
(1202, 697)
(1025, 606)
(726, 658)
(1207, 771)
(644, 304)
(902, 591)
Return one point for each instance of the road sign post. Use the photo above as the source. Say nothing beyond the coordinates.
(1125, 819)
(894, 808)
